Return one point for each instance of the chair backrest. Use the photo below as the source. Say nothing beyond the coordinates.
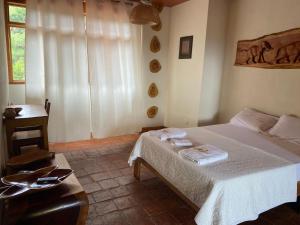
(46, 103)
(48, 108)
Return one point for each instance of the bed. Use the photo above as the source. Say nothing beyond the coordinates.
(260, 173)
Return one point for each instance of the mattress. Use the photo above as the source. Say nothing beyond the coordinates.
(273, 145)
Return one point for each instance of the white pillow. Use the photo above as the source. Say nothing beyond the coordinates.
(254, 120)
(287, 128)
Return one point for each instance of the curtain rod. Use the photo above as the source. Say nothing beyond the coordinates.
(131, 2)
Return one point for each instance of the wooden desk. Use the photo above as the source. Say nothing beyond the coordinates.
(31, 115)
(66, 204)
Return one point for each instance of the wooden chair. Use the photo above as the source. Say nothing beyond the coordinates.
(46, 103)
(29, 136)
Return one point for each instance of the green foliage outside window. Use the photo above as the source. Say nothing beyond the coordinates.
(17, 42)
(17, 36)
(17, 14)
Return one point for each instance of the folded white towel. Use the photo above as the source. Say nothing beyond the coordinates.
(204, 154)
(168, 133)
(181, 142)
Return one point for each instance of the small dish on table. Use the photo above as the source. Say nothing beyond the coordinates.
(27, 181)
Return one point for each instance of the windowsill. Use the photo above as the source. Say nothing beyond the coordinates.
(17, 82)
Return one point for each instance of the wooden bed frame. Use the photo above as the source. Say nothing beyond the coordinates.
(137, 172)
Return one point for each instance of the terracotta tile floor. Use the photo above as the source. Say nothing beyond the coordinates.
(94, 144)
(116, 198)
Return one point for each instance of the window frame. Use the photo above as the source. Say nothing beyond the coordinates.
(8, 25)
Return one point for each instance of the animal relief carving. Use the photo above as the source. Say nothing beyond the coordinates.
(279, 50)
(254, 54)
(289, 53)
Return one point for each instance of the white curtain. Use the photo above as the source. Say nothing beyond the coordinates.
(56, 66)
(114, 51)
(3, 85)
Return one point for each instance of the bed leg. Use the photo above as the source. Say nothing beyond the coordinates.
(137, 169)
(295, 205)
(298, 205)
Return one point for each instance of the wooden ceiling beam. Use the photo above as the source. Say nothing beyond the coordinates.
(169, 3)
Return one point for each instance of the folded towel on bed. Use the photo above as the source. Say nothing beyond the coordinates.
(204, 154)
(182, 142)
(168, 133)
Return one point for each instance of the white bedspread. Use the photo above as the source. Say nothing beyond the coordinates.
(273, 145)
(250, 182)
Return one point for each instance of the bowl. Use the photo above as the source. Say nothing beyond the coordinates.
(18, 110)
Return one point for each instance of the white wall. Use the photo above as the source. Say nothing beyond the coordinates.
(213, 61)
(275, 91)
(160, 78)
(185, 75)
(17, 94)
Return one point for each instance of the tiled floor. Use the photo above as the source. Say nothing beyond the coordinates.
(116, 198)
(106, 143)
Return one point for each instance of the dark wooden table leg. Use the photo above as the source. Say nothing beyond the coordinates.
(84, 209)
(1, 212)
(137, 169)
(9, 132)
(45, 134)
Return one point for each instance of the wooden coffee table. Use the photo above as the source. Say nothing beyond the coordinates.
(66, 204)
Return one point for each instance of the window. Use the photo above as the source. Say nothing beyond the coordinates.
(15, 13)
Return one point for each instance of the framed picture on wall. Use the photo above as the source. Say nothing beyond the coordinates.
(186, 47)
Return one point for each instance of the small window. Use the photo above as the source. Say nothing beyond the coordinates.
(17, 14)
(15, 18)
(15, 32)
(17, 43)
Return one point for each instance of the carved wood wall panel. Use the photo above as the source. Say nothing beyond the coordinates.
(152, 111)
(278, 50)
(155, 66)
(153, 90)
(155, 44)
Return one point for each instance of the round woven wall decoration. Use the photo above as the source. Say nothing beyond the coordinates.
(155, 44)
(153, 90)
(157, 27)
(155, 66)
(152, 111)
